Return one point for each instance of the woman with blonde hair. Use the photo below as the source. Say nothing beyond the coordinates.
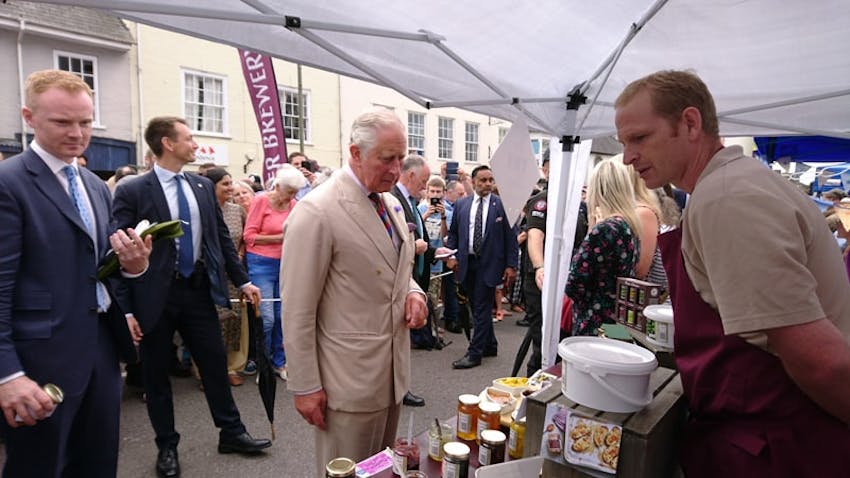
(649, 213)
(610, 249)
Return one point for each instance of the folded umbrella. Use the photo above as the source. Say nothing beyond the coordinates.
(266, 375)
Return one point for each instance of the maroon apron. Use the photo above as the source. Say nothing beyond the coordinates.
(747, 418)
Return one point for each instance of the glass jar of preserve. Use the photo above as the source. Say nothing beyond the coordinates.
(516, 440)
(340, 468)
(492, 449)
(455, 460)
(467, 416)
(437, 437)
(489, 418)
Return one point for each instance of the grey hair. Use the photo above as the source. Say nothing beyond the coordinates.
(413, 161)
(364, 130)
(288, 177)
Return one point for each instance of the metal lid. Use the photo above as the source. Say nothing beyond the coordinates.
(456, 449)
(55, 393)
(340, 467)
(493, 437)
(469, 399)
(490, 407)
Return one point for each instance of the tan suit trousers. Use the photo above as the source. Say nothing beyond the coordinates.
(355, 435)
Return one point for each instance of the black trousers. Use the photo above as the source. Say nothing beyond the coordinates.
(188, 309)
(534, 316)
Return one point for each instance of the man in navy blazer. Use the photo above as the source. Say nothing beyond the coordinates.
(481, 265)
(178, 296)
(55, 317)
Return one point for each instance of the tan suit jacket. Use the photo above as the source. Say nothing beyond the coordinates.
(343, 289)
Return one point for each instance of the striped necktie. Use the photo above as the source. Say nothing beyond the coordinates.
(382, 212)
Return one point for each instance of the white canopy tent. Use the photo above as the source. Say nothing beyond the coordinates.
(774, 67)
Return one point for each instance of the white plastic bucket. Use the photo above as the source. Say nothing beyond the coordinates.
(605, 374)
(659, 325)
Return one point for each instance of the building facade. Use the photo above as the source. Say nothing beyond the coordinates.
(93, 45)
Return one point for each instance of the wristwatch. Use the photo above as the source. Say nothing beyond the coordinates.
(536, 268)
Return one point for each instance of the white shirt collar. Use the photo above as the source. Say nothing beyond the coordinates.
(404, 191)
(350, 172)
(55, 164)
(163, 174)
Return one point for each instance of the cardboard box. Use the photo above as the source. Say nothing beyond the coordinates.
(650, 436)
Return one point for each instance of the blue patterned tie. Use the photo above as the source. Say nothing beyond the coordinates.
(83, 210)
(186, 253)
(420, 259)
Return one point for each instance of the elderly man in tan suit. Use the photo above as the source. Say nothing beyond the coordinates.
(349, 299)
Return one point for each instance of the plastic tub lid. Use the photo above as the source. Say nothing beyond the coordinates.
(659, 313)
(608, 355)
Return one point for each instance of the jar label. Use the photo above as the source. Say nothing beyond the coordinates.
(512, 441)
(483, 455)
(450, 470)
(399, 464)
(435, 447)
(464, 423)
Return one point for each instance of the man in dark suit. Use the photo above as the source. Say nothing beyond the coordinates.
(186, 279)
(486, 257)
(413, 178)
(56, 319)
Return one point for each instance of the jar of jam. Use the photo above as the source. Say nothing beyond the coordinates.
(405, 456)
(489, 418)
(492, 449)
(467, 416)
(455, 460)
(516, 440)
(437, 437)
(340, 468)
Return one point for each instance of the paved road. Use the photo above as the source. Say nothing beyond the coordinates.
(292, 452)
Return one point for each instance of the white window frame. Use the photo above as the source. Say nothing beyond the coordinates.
(95, 78)
(471, 143)
(224, 106)
(445, 138)
(308, 110)
(412, 134)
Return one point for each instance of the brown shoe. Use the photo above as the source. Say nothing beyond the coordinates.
(235, 380)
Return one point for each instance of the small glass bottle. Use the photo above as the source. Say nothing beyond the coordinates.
(489, 418)
(455, 460)
(516, 440)
(467, 416)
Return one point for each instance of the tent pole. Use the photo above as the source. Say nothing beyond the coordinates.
(321, 42)
(564, 194)
(790, 129)
(791, 102)
(118, 7)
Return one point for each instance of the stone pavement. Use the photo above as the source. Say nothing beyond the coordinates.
(292, 452)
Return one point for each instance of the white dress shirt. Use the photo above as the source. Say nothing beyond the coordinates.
(169, 187)
(472, 213)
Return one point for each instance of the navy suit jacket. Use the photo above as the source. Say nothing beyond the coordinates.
(425, 278)
(499, 248)
(143, 198)
(49, 325)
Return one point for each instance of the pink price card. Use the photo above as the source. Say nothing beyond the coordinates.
(375, 464)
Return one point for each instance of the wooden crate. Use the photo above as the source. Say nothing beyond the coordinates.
(649, 445)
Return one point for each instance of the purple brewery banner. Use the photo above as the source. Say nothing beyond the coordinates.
(262, 86)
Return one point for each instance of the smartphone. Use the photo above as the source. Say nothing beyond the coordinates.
(435, 201)
(451, 170)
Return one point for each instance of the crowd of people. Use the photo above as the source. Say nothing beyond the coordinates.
(350, 269)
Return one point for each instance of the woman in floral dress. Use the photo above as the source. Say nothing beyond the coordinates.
(610, 249)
